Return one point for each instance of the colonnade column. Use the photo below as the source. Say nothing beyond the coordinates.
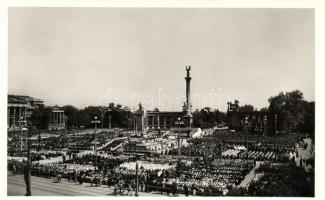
(19, 113)
(164, 122)
(14, 118)
(25, 116)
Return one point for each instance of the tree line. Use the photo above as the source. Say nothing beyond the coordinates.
(293, 112)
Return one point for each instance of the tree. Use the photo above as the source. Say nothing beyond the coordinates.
(91, 113)
(283, 181)
(220, 116)
(204, 118)
(140, 107)
(72, 113)
(236, 104)
(41, 117)
(265, 109)
(308, 125)
(83, 118)
(290, 108)
(246, 108)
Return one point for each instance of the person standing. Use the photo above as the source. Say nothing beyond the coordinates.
(193, 188)
(174, 186)
(14, 170)
(186, 190)
(27, 179)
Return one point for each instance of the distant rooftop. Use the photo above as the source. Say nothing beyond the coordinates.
(22, 99)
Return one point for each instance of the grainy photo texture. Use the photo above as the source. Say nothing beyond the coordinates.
(161, 102)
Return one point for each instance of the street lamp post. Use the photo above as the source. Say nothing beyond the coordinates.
(265, 124)
(95, 121)
(27, 172)
(134, 122)
(66, 129)
(179, 122)
(104, 110)
(219, 95)
(137, 179)
(21, 121)
(39, 139)
(109, 121)
(275, 124)
(246, 130)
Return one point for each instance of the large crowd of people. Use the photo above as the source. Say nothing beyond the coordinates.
(206, 166)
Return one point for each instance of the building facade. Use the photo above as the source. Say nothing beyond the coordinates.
(150, 145)
(57, 118)
(156, 120)
(20, 109)
(255, 121)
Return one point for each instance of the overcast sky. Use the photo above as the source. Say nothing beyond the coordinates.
(90, 56)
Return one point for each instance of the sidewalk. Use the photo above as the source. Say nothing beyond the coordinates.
(249, 177)
(46, 187)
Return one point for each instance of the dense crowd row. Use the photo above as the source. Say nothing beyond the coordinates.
(201, 149)
(169, 174)
(235, 137)
(255, 155)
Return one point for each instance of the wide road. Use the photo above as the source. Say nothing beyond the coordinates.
(45, 187)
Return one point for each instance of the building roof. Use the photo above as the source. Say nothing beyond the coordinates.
(22, 99)
(250, 112)
(165, 112)
(56, 108)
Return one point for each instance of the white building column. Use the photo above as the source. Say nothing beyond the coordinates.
(153, 121)
(19, 113)
(14, 118)
(25, 116)
(164, 122)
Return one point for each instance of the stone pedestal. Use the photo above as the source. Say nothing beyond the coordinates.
(188, 120)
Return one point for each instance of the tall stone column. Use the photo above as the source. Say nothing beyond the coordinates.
(188, 117)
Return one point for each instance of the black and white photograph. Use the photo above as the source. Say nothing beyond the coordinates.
(160, 102)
